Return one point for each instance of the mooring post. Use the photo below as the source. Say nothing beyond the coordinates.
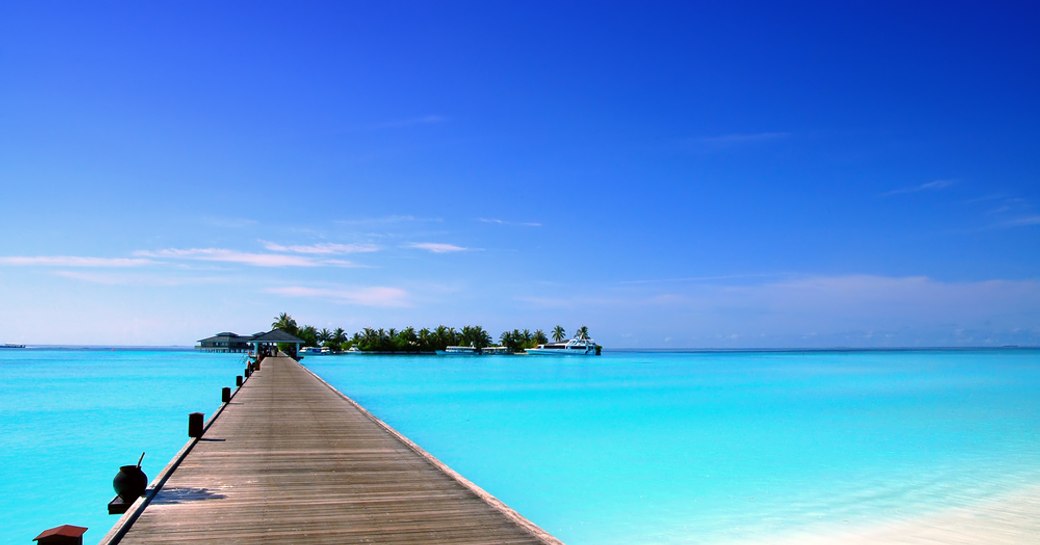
(195, 425)
(238, 380)
(248, 372)
(225, 394)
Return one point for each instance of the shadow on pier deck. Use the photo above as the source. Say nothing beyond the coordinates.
(291, 460)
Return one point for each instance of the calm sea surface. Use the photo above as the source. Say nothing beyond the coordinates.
(625, 448)
(715, 447)
(70, 418)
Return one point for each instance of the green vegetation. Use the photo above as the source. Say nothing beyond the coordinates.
(415, 341)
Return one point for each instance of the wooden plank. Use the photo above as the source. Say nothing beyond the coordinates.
(291, 460)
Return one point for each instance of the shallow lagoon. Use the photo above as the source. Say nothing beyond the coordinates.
(716, 447)
(72, 417)
(626, 448)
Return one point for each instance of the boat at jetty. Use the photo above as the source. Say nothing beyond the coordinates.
(578, 346)
(315, 351)
(12, 346)
(462, 350)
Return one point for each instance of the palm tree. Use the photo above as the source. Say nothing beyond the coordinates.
(308, 334)
(583, 332)
(324, 336)
(559, 334)
(425, 338)
(286, 323)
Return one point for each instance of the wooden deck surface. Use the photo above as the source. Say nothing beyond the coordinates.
(291, 461)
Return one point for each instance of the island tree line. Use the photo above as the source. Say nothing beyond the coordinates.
(410, 339)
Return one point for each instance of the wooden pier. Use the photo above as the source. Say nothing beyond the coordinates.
(291, 460)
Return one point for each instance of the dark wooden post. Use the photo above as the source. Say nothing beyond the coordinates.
(225, 394)
(238, 380)
(195, 425)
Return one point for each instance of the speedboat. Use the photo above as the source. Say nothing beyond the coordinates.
(578, 346)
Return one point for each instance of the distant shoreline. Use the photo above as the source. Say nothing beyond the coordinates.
(619, 350)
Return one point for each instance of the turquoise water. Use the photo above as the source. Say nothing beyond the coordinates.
(715, 447)
(625, 448)
(70, 418)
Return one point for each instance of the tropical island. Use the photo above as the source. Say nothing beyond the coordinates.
(410, 340)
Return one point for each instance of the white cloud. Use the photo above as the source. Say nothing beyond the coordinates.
(74, 261)
(377, 296)
(933, 185)
(229, 222)
(436, 247)
(385, 220)
(504, 222)
(849, 310)
(326, 248)
(117, 279)
(742, 138)
(224, 255)
(429, 119)
(1024, 221)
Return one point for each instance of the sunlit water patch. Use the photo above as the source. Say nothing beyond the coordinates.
(715, 447)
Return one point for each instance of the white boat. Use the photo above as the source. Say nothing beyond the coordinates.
(577, 346)
(462, 350)
(315, 351)
(495, 351)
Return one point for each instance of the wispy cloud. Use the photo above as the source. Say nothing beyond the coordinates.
(1025, 221)
(386, 220)
(325, 248)
(229, 222)
(429, 119)
(497, 221)
(934, 185)
(123, 279)
(690, 279)
(437, 247)
(73, 261)
(224, 255)
(734, 139)
(377, 296)
(917, 310)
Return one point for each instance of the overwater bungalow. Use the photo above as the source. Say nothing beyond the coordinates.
(225, 342)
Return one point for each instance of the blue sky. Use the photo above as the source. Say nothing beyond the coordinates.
(689, 174)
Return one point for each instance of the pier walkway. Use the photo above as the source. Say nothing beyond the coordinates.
(292, 461)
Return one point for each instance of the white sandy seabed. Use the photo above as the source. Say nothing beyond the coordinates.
(1010, 519)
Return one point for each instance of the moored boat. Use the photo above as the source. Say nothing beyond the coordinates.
(462, 350)
(578, 346)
